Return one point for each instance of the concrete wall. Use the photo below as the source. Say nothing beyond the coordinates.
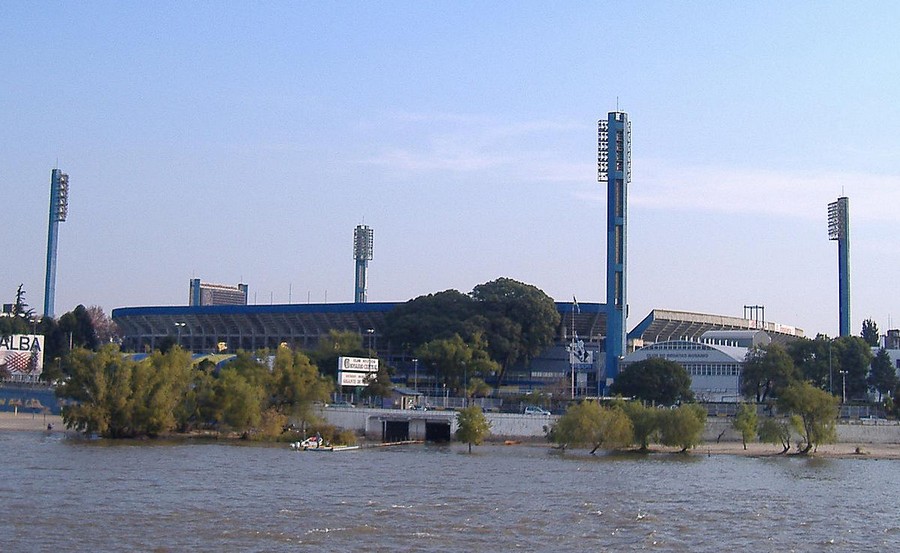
(530, 427)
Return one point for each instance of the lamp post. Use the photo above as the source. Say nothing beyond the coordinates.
(416, 374)
(180, 325)
(844, 387)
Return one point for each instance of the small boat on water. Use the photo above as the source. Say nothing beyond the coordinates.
(316, 443)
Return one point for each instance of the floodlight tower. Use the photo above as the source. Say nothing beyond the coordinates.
(839, 229)
(363, 238)
(59, 207)
(614, 168)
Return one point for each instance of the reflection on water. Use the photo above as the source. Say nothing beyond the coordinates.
(66, 495)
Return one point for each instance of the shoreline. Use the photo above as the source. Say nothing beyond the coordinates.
(37, 422)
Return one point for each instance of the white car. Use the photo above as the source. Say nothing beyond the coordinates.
(535, 410)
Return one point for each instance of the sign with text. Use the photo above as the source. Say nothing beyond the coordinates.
(358, 364)
(354, 378)
(22, 355)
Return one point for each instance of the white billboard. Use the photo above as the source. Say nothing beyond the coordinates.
(22, 355)
(354, 378)
(358, 364)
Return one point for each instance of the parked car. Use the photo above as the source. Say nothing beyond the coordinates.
(419, 408)
(535, 410)
(341, 404)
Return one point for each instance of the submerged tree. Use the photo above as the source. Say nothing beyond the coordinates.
(472, 426)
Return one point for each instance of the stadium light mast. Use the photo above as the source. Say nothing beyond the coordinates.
(614, 168)
(839, 229)
(363, 238)
(59, 207)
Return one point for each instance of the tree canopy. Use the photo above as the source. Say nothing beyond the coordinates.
(767, 370)
(472, 426)
(870, 333)
(654, 380)
(814, 413)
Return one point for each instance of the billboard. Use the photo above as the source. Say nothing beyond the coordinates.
(354, 378)
(356, 371)
(358, 364)
(22, 355)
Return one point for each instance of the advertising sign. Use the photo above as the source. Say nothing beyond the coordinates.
(22, 355)
(358, 364)
(354, 378)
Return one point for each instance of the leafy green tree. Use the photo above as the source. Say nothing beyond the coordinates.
(380, 384)
(745, 422)
(854, 357)
(453, 360)
(882, 376)
(296, 385)
(776, 431)
(654, 380)
(239, 402)
(813, 358)
(870, 333)
(472, 426)
(645, 422)
(767, 370)
(77, 324)
(682, 427)
(814, 413)
(589, 424)
(20, 308)
(523, 321)
(432, 317)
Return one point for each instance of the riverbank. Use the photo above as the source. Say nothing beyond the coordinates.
(30, 421)
(38, 423)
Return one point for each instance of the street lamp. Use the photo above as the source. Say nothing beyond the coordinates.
(844, 387)
(416, 377)
(180, 325)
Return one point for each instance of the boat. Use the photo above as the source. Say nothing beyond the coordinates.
(316, 443)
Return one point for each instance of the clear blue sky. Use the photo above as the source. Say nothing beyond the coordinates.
(244, 141)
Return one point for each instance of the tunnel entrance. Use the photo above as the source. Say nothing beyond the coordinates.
(395, 431)
(437, 431)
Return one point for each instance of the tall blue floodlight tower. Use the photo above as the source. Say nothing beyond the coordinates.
(59, 206)
(614, 168)
(839, 229)
(363, 238)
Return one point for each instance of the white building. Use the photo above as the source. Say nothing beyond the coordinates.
(715, 363)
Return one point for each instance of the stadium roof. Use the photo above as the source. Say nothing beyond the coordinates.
(663, 325)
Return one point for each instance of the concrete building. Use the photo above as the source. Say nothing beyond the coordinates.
(205, 293)
(714, 362)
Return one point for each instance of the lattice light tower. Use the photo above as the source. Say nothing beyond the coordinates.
(59, 207)
(363, 239)
(839, 229)
(614, 168)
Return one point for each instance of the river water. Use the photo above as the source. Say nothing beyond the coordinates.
(59, 494)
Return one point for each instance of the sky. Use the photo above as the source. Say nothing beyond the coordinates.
(244, 141)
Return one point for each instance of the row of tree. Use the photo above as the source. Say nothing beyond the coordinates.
(112, 395)
(842, 366)
(623, 424)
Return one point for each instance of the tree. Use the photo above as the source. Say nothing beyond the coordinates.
(682, 427)
(472, 426)
(882, 376)
(523, 321)
(296, 385)
(431, 317)
(813, 359)
(854, 357)
(336, 344)
(655, 380)
(776, 431)
(745, 422)
(814, 413)
(453, 360)
(767, 370)
(20, 308)
(870, 333)
(77, 324)
(644, 422)
(105, 329)
(590, 424)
